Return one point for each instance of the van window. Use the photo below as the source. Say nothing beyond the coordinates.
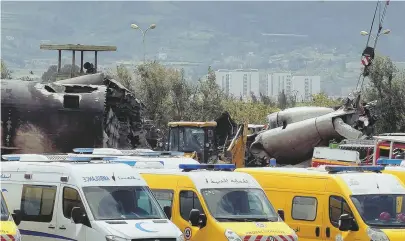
(37, 203)
(337, 207)
(189, 200)
(304, 208)
(164, 197)
(5, 215)
(71, 199)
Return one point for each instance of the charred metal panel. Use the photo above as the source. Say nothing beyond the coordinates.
(38, 118)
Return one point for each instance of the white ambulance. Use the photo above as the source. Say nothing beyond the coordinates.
(136, 158)
(76, 199)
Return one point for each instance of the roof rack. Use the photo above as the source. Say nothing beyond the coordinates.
(142, 164)
(118, 152)
(216, 167)
(51, 158)
(337, 169)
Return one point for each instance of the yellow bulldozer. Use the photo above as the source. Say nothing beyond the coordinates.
(209, 142)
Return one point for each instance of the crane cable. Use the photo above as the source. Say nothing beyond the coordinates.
(360, 80)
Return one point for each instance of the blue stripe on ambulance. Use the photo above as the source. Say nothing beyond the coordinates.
(41, 234)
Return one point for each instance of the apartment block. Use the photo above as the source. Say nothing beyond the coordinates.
(239, 82)
(302, 87)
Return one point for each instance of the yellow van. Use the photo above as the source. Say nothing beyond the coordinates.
(336, 202)
(218, 205)
(394, 166)
(8, 223)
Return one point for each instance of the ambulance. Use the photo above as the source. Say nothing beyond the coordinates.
(211, 202)
(138, 157)
(337, 202)
(8, 221)
(78, 199)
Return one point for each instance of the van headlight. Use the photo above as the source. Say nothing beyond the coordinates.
(115, 238)
(377, 235)
(232, 236)
(180, 238)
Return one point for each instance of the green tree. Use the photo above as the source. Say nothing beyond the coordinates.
(181, 95)
(123, 75)
(252, 112)
(153, 88)
(51, 74)
(208, 98)
(387, 86)
(323, 100)
(5, 71)
(282, 100)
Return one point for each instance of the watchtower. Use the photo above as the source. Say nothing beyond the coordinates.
(77, 48)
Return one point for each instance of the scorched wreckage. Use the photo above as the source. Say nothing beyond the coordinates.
(59, 116)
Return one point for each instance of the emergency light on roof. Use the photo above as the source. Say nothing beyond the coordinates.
(25, 158)
(159, 153)
(97, 151)
(335, 169)
(224, 167)
(86, 159)
(394, 162)
(135, 163)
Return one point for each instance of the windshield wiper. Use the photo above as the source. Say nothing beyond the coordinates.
(259, 220)
(230, 219)
(246, 219)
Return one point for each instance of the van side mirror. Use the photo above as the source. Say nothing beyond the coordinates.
(345, 222)
(168, 211)
(17, 217)
(281, 214)
(77, 215)
(194, 217)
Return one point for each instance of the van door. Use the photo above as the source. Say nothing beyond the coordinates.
(336, 206)
(189, 199)
(306, 216)
(38, 211)
(69, 197)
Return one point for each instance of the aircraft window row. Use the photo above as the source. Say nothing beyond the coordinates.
(304, 208)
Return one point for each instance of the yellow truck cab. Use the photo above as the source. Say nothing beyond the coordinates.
(211, 202)
(336, 202)
(8, 222)
(395, 167)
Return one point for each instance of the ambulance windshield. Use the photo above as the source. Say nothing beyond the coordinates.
(381, 210)
(239, 205)
(4, 211)
(122, 202)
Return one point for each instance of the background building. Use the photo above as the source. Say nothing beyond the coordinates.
(278, 82)
(306, 86)
(239, 82)
(302, 87)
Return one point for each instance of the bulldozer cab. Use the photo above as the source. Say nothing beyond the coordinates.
(194, 137)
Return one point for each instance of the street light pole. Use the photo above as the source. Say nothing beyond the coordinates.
(365, 33)
(152, 26)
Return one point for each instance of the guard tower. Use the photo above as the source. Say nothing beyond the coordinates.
(77, 48)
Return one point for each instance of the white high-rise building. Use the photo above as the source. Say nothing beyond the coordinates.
(278, 82)
(302, 87)
(306, 86)
(238, 82)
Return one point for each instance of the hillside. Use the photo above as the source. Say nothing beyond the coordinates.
(202, 32)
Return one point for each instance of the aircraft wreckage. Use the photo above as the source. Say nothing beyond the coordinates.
(293, 133)
(85, 111)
